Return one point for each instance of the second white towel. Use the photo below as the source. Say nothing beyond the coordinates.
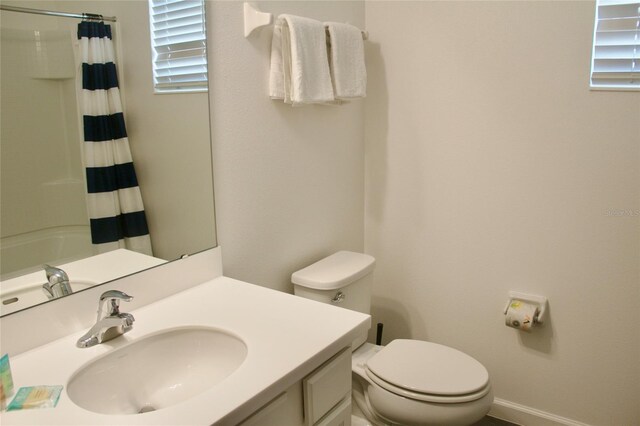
(348, 70)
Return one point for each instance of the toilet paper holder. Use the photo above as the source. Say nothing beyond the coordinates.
(540, 301)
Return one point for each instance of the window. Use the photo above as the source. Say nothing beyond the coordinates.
(615, 62)
(179, 44)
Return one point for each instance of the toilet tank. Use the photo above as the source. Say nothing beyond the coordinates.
(342, 279)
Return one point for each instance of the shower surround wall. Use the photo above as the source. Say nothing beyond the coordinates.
(491, 166)
(40, 169)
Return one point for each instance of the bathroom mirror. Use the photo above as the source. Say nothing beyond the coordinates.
(44, 216)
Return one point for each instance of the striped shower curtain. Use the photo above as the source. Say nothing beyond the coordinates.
(114, 202)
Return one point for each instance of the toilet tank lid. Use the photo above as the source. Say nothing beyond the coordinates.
(336, 271)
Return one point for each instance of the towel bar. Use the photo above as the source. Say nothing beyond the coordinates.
(254, 19)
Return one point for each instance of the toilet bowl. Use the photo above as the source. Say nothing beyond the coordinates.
(408, 382)
(412, 382)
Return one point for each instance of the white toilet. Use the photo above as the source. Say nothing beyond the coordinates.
(407, 382)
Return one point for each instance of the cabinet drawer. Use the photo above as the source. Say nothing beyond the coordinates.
(327, 386)
(263, 416)
(339, 416)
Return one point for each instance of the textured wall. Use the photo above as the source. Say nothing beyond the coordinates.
(289, 181)
(491, 166)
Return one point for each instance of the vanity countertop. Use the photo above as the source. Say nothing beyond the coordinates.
(92, 270)
(286, 338)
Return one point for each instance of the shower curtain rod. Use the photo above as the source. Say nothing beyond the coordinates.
(91, 16)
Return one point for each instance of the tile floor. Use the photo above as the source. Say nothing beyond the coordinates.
(358, 419)
(487, 421)
(492, 421)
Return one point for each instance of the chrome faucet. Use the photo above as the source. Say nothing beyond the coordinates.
(110, 323)
(58, 283)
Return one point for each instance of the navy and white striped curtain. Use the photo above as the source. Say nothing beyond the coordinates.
(114, 202)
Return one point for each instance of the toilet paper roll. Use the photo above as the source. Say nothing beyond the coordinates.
(521, 315)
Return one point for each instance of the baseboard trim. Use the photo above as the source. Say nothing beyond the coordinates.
(527, 416)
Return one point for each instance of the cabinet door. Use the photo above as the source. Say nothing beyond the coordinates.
(327, 386)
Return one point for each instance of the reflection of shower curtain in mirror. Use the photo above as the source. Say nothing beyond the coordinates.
(116, 212)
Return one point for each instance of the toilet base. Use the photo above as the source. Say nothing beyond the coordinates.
(357, 416)
(361, 406)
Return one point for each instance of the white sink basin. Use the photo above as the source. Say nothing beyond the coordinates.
(157, 371)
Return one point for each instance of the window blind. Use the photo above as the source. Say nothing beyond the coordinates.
(616, 45)
(178, 39)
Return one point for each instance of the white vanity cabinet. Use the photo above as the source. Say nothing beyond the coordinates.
(306, 369)
(322, 398)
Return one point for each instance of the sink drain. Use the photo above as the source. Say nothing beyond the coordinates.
(147, 408)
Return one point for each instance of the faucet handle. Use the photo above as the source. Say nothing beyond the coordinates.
(55, 275)
(116, 295)
(113, 298)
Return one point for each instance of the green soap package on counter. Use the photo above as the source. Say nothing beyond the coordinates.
(6, 381)
(35, 397)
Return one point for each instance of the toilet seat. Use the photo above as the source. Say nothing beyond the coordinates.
(440, 399)
(428, 372)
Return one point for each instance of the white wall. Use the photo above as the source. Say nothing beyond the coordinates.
(491, 166)
(289, 181)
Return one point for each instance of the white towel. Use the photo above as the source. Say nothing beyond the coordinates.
(299, 62)
(348, 70)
